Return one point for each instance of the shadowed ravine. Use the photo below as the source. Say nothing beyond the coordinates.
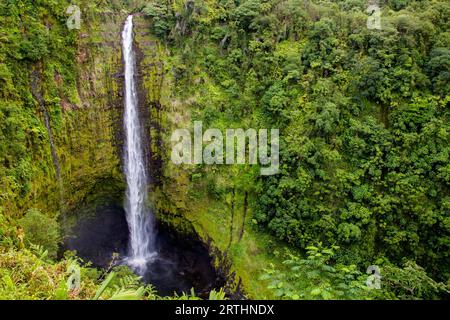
(182, 262)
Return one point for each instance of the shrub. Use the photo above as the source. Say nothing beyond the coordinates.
(41, 230)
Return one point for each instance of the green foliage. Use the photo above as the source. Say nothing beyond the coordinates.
(439, 70)
(29, 275)
(41, 230)
(127, 290)
(217, 295)
(363, 116)
(316, 277)
(246, 12)
(161, 20)
(320, 277)
(410, 283)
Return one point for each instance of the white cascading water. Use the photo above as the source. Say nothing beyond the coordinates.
(139, 217)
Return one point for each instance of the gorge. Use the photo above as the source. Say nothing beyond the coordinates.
(361, 171)
(170, 262)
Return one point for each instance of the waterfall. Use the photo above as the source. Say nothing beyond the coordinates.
(139, 217)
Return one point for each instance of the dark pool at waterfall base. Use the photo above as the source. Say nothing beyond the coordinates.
(182, 262)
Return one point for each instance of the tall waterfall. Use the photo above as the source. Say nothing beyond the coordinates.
(139, 217)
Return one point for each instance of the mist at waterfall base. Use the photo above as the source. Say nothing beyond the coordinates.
(182, 263)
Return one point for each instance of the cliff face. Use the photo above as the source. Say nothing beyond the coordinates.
(180, 195)
(66, 150)
(156, 92)
(63, 115)
(91, 139)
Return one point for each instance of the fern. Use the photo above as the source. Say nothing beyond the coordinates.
(129, 287)
(128, 294)
(40, 252)
(217, 295)
(104, 285)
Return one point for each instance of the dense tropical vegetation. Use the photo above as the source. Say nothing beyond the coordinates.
(364, 125)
